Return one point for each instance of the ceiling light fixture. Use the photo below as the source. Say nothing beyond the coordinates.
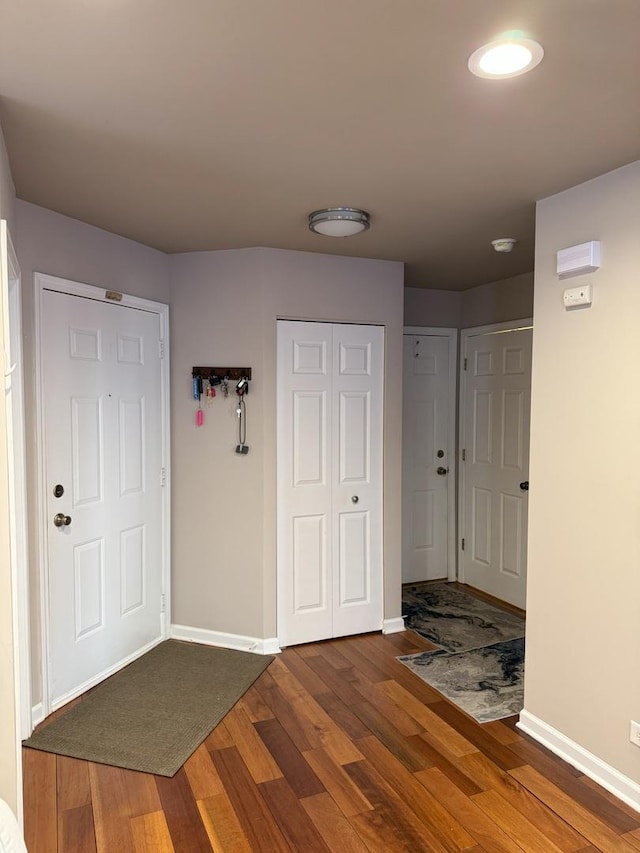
(339, 221)
(504, 244)
(505, 57)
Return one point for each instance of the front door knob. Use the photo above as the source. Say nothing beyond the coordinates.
(441, 471)
(61, 520)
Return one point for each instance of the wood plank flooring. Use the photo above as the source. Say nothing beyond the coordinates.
(336, 747)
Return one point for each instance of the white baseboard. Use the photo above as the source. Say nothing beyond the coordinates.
(268, 646)
(393, 626)
(617, 783)
(37, 715)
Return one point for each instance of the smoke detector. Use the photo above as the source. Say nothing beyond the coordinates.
(504, 244)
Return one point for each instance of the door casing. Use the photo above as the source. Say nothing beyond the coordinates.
(452, 335)
(44, 282)
(11, 314)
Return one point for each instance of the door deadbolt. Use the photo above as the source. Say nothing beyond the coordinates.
(440, 454)
(58, 491)
(61, 520)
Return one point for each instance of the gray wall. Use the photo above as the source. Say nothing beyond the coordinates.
(583, 594)
(496, 302)
(51, 243)
(224, 307)
(439, 308)
(10, 780)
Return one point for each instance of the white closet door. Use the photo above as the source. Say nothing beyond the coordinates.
(330, 380)
(304, 482)
(357, 478)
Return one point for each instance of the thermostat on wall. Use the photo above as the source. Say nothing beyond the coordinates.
(577, 260)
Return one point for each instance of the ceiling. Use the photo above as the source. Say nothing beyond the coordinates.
(214, 124)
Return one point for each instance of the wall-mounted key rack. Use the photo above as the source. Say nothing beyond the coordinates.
(222, 372)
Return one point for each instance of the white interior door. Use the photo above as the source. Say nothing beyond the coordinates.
(104, 456)
(496, 403)
(330, 381)
(427, 457)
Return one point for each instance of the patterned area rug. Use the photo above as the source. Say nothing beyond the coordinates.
(455, 620)
(487, 683)
(480, 665)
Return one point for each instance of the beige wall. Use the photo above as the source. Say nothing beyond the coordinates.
(224, 307)
(497, 302)
(51, 243)
(9, 766)
(583, 596)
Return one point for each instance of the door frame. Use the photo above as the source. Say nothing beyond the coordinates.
(16, 457)
(465, 335)
(452, 335)
(43, 282)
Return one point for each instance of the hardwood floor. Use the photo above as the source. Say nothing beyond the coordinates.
(336, 747)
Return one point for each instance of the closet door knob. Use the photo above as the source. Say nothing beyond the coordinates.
(355, 499)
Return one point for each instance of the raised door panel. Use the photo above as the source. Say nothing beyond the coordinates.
(309, 566)
(87, 450)
(309, 435)
(132, 445)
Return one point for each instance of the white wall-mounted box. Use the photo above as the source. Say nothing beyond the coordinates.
(578, 260)
(575, 296)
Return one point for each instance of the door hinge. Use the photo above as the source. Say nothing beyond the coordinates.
(163, 477)
(463, 544)
(464, 364)
(161, 349)
(163, 603)
(464, 455)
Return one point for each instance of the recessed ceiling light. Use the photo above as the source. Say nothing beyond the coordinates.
(506, 57)
(339, 221)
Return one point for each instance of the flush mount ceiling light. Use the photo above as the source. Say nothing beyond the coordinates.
(505, 57)
(339, 221)
(504, 244)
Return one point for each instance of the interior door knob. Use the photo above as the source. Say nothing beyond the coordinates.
(525, 486)
(441, 471)
(61, 520)
(355, 499)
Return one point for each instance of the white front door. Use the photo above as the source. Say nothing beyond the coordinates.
(427, 457)
(330, 383)
(103, 425)
(496, 404)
